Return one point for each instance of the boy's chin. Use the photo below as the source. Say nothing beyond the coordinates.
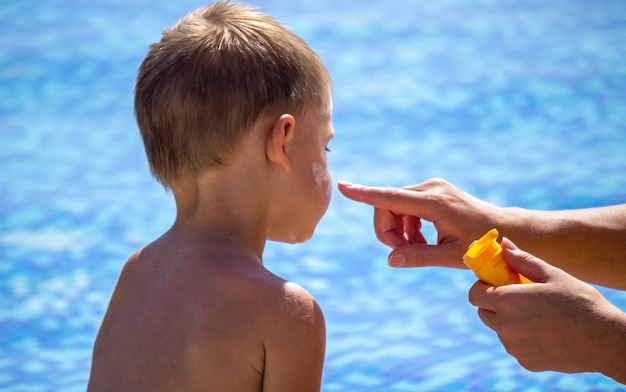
(291, 238)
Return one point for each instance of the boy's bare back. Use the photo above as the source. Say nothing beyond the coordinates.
(185, 318)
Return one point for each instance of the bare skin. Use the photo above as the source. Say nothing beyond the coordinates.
(184, 320)
(196, 310)
(561, 323)
(563, 237)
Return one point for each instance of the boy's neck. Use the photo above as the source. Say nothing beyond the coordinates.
(222, 208)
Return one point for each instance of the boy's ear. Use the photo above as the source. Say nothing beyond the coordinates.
(279, 141)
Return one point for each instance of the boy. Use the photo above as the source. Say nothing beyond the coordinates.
(235, 114)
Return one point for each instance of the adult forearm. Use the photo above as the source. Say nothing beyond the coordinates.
(588, 243)
(612, 349)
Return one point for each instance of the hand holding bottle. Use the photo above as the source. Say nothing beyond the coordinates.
(559, 323)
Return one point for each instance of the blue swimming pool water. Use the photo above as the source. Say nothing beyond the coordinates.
(520, 102)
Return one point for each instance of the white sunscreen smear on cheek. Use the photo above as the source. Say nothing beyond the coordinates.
(322, 179)
(320, 174)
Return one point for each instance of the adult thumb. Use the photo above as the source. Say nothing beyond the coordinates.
(421, 255)
(523, 262)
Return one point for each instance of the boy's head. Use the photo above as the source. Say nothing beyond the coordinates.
(212, 75)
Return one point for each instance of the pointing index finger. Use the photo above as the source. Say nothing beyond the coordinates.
(400, 201)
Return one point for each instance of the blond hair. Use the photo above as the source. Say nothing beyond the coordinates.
(211, 77)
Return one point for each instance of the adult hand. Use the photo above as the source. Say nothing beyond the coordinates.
(458, 217)
(558, 323)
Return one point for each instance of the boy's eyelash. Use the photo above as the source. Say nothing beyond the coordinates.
(328, 149)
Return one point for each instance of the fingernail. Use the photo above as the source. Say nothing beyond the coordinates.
(507, 243)
(397, 260)
(348, 184)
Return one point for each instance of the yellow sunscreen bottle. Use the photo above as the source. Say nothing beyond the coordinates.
(484, 257)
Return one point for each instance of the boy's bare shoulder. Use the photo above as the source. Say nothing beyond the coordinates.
(283, 308)
(125, 279)
(294, 339)
(298, 302)
(286, 298)
(290, 310)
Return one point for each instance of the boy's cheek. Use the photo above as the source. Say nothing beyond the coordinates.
(321, 174)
